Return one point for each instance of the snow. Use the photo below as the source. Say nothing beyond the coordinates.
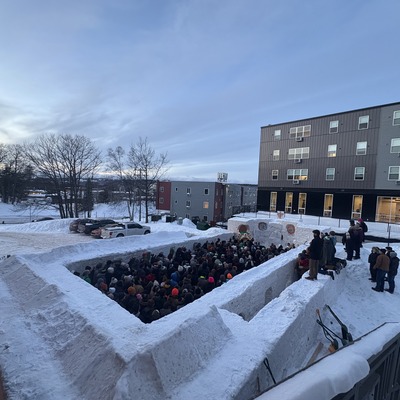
(62, 339)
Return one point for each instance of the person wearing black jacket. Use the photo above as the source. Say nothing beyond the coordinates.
(315, 253)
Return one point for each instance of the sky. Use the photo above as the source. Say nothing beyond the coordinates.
(197, 78)
(52, 337)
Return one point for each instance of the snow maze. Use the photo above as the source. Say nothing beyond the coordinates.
(91, 348)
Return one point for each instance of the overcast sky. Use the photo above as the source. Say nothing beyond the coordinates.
(198, 78)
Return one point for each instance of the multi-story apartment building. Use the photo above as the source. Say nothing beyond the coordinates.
(344, 165)
(208, 201)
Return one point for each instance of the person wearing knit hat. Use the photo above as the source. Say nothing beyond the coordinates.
(229, 275)
(175, 292)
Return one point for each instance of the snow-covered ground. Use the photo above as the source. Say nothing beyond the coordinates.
(62, 339)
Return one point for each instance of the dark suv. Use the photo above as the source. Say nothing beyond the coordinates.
(89, 227)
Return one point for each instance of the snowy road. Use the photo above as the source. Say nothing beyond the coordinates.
(12, 243)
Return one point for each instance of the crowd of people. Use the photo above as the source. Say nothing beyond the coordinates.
(154, 285)
(383, 266)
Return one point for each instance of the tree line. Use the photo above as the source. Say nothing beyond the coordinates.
(66, 165)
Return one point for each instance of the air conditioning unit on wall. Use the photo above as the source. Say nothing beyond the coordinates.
(296, 182)
(297, 160)
(299, 139)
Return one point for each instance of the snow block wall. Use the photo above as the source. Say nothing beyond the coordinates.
(99, 350)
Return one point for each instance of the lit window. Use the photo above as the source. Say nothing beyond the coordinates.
(302, 153)
(275, 173)
(272, 202)
(395, 145)
(277, 134)
(361, 149)
(275, 155)
(394, 173)
(359, 173)
(363, 122)
(332, 150)
(396, 118)
(205, 204)
(333, 127)
(299, 174)
(330, 174)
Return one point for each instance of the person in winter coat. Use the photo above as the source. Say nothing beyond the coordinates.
(393, 267)
(372, 260)
(363, 226)
(382, 267)
(348, 246)
(356, 235)
(315, 253)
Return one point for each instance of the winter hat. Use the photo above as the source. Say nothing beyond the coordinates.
(316, 232)
(229, 276)
(211, 279)
(110, 270)
(131, 290)
(113, 281)
(174, 292)
(112, 290)
(180, 268)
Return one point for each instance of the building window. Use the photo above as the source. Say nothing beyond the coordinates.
(300, 131)
(205, 218)
(300, 153)
(297, 174)
(275, 155)
(363, 122)
(394, 173)
(176, 189)
(188, 203)
(162, 189)
(330, 174)
(361, 149)
(188, 191)
(288, 202)
(277, 134)
(357, 206)
(334, 127)
(396, 118)
(332, 150)
(272, 201)
(206, 191)
(161, 200)
(395, 145)
(275, 173)
(205, 204)
(187, 216)
(359, 173)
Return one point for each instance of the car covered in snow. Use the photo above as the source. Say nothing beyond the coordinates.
(124, 229)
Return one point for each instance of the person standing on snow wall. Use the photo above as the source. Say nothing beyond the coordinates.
(315, 252)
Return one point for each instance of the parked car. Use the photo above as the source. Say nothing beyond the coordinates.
(90, 226)
(73, 226)
(96, 233)
(124, 229)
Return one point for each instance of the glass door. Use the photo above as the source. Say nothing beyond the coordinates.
(288, 202)
(328, 204)
(272, 202)
(302, 203)
(357, 207)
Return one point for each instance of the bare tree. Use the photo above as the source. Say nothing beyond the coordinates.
(15, 173)
(148, 168)
(117, 164)
(66, 161)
